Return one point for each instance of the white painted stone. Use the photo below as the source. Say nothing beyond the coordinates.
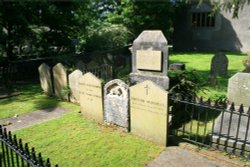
(74, 86)
(116, 102)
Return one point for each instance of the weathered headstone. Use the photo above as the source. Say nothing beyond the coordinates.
(45, 79)
(60, 81)
(116, 102)
(150, 58)
(149, 111)
(238, 90)
(80, 66)
(91, 97)
(92, 64)
(74, 86)
(177, 66)
(219, 64)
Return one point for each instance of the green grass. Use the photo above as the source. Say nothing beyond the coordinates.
(73, 140)
(32, 98)
(201, 63)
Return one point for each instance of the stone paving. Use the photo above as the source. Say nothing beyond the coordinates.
(29, 119)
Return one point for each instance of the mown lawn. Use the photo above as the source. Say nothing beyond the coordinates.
(73, 140)
(31, 98)
(201, 63)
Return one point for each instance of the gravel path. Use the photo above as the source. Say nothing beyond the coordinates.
(29, 119)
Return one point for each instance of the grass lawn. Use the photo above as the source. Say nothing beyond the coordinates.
(73, 140)
(201, 63)
(31, 99)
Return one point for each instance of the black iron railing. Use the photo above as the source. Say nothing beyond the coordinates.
(212, 124)
(103, 72)
(14, 153)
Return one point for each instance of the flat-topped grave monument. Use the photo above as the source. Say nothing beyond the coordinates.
(91, 97)
(149, 111)
(45, 79)
(150, 58)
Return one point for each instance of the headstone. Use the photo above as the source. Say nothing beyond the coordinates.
(177, 66)
(149, 111)
(150, 58)
(80, 66)
(74, 86)
(212, 79)
(219, 64)
(45, 79)
(91, 97)
(116, 102)
(92, 64)
(238, 90)
(60, 81)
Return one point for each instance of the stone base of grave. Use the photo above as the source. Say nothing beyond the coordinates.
(162, 81)
(231, 146)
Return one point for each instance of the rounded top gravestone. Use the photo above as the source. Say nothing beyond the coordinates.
(219, 64)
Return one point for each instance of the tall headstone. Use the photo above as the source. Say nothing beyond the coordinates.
(60, 81)
(116, 102)
(150, 58)
(219, 64)
(74, 86)
(91, 97)
(45, 79)
(149, 111)
(80, 66)
(238, 90)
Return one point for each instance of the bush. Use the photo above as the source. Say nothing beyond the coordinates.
(246, 63)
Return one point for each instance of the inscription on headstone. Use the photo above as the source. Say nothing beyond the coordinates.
(74, 86)
(91, 97)
(219, 64)
(116, 103)
(45, 79)
(60, 81)
(238, 90)
(149, 111)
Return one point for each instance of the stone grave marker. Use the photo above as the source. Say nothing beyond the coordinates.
(92, 64)
(80, 66)
(116, 102)
(219, 64)
(150, 58)
(74, 86)
(238, 90)
(91, 97)
(60, 81)
(149, 111)
(45, 79)
(236, 135)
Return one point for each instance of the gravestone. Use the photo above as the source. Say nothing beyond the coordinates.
(149, 111)
(80, 66)
(150, 58)
(74, 86)
(177, 66)
(60, 81)
(219, 64)
(92, 64)
(237, 132)
(116, 102)
(45, 79)
(238, 90)
(91, 97)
